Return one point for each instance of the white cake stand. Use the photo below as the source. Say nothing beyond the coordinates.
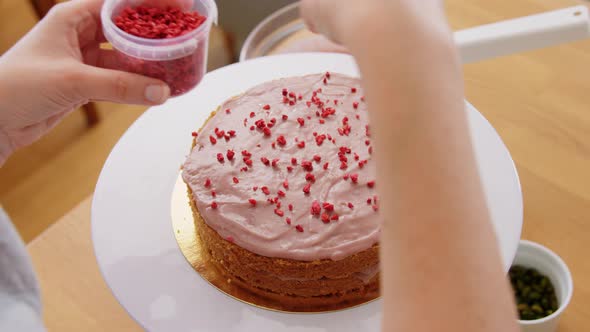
(132, 230)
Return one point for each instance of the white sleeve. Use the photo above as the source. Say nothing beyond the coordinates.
(20, 303)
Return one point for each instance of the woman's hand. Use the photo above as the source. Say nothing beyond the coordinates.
(59, 66)
(438, 250)
(402, 47)
(314, 43)
(351, 23)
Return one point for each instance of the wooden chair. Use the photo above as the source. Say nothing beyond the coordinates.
(41, 8)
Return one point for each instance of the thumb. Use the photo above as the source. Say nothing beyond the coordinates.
(121, 87)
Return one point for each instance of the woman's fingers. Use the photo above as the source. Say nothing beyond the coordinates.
(321, 15)
(121, 87)
(315, 43)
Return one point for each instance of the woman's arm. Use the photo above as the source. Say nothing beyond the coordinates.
(59, 66)
(441, 269)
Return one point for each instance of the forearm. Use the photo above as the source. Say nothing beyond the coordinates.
(440, 262)
(438, 248)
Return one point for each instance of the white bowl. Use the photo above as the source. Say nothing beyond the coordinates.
(533, 255)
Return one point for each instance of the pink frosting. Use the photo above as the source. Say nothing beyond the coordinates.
(223, 189)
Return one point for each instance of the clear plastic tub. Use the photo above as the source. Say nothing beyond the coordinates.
(181, 62)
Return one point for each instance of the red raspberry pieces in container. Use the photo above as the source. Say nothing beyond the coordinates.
(167, 40)
(157, 23)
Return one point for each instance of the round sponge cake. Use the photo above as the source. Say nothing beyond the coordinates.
(282, 186)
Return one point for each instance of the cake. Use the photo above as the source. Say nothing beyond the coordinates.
(282, 187)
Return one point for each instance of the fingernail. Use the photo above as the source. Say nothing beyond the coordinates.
(157, 93)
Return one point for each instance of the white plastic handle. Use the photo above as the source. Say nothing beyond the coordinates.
(523, 34)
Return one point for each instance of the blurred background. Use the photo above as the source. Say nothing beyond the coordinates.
(42, 182)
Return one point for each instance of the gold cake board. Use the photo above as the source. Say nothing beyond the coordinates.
(190, 246)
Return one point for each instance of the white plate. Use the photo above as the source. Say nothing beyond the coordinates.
(132, 231)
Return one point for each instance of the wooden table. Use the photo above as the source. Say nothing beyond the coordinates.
(75, 297)
(540, 104)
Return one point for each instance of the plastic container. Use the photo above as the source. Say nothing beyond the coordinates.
(533, 255)
(181, 62)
